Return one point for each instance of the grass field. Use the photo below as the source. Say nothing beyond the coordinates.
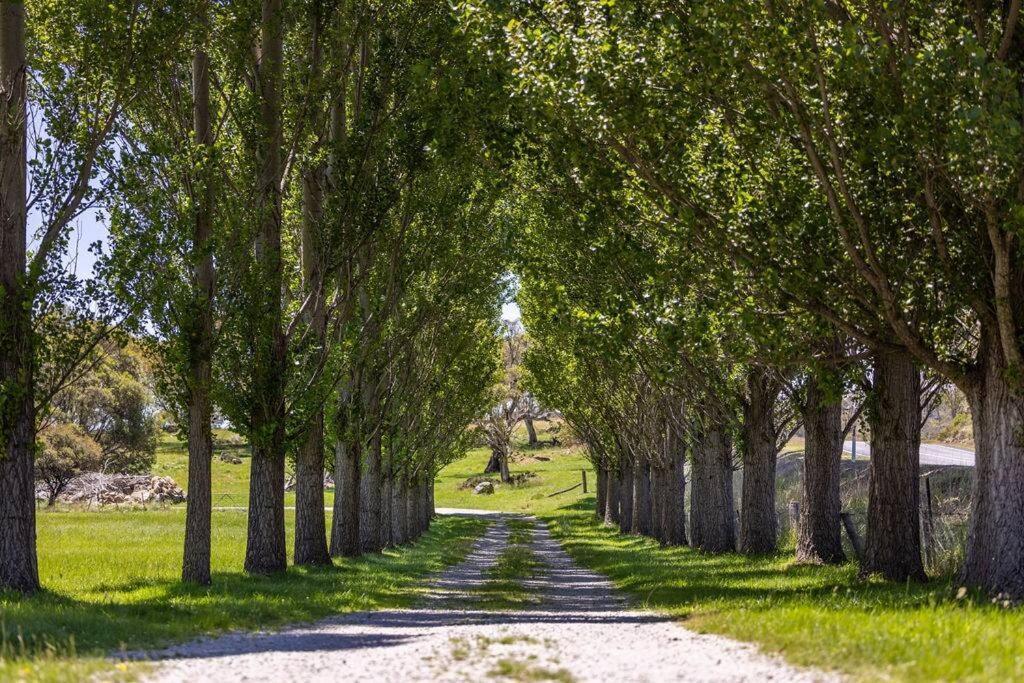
(561, 470)
(112, 583)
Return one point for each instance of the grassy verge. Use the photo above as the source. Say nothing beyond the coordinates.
(112, 584)
(505, 589)
(814, 616)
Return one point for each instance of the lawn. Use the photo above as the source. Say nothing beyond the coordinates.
(555, 468)
(112, 584)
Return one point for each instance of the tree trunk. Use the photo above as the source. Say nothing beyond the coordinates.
(18, 567)
(399, 527)
(412, 520)
(659, 520)
(265, 551)
(602, 492)
(994, 558)
(421, 505)
(611, 506)
(626, 498)
(893, 547)
(819, 540)
(198, 507)
(345, 522)
(531, 432)
(677, 498)
(506, 476)
(494, 464)
(386, 485)
(712, 510)
(310, 525)
(370, 495)
(642, 500)
(758, 523)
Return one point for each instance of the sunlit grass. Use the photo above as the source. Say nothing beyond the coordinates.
(556, 468)
(112, 584)
(815, 616)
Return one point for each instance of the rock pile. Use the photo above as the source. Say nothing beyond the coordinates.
(120, 489)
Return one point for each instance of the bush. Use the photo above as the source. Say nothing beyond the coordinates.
(63, 452)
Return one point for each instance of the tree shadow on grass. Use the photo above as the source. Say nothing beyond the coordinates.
(142, 613)
(682, 580)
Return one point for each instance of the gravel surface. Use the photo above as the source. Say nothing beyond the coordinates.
(579, 630)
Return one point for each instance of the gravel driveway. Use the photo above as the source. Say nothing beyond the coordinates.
(580, 629)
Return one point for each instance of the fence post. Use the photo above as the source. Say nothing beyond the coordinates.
(851, 531)
(929, 524)
(584, 472)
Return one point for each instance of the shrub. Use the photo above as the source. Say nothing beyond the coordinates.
(65, 451)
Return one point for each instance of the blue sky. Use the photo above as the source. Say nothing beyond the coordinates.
(88, 229)
(510, 311)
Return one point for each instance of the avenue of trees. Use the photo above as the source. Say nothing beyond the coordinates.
(736, 213)
(724, 218)
(300, 198)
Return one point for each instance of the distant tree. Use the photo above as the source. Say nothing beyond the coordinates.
(112, 405)
(512, 403)
(63, 452)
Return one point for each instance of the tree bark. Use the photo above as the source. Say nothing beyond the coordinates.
(370, 494)
(677, 498)
(611, 507)
(641, 500)
(531, 432)
(758, 522)
(602, 492)
(506, 476)
(431, 510)
(712, 510)
(494, 464)
(413, 521)
(399, 522)
(386, 485)
(994, 558)
(18, 566)
(310, 524)
(345, 522)
(422, 505)
(265, 551)
(893, 547)
(659, 493)
(626, 498)
(198, 507)
(819, 540)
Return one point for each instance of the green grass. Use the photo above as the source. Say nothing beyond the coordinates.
(111, 583)
(519, 670)
(229, 482)
(556, 468)
(813, 616)
(505, 589)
